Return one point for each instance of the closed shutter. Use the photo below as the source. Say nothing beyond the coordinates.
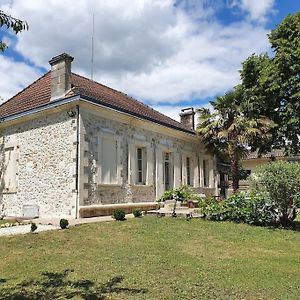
(159, 174)
(195, 172)
(9, 170)
(177, 170)
(183, 159)
(149, 164)
(131, 163)
(109, 161)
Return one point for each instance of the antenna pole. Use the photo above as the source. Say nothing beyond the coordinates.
(92, 59)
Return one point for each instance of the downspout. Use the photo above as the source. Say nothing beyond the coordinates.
(77, 162)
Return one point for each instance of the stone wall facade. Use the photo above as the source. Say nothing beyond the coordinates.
(46, 162)
(96, 193)
(45, 174)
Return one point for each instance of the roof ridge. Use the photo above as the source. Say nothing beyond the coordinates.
(24, 89)
(126, 95)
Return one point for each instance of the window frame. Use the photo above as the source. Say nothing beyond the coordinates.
(141, 169)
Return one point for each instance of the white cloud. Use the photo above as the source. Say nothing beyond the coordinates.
(257, 9)
(14, 77)
(173, 111)
(149, 49)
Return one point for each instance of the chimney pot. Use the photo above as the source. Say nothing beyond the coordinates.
(187, 118)
(60, 75)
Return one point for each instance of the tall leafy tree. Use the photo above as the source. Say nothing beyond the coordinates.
(272, 84)
(12, 23)
(227, 132)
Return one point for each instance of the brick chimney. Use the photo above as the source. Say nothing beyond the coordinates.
(187, 118)
(60, 75)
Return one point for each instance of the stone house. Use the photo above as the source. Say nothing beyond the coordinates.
(253, 160)
(71, 147)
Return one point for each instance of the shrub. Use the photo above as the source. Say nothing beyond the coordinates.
(63, 223)
(281, 181)
(137, 213)
(119, 214)
(183, 194)
(167, 195)
(33, 227)
(256, 209)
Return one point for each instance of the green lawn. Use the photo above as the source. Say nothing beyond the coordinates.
(152, 258)
(6, 221)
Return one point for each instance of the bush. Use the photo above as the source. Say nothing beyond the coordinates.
(182, 194)
(137, 213)
(256, 209)
(281, 182)
(167, 195)
(119, 214)
(63, 223)
(33, 227)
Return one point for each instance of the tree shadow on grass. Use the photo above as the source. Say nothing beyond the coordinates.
(293, 226)
(58, 286)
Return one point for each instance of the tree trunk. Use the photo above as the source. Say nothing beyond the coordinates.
(235, 172)
(235, 175)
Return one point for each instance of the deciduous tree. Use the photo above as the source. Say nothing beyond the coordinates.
(272, 84)
(12, 23)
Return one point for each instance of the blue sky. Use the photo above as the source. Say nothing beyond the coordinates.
(169, 54)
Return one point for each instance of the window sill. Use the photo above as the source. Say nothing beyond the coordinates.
(109, 185)
(9, 192)
(142, 185)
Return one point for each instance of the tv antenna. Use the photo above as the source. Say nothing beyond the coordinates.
(92, 59)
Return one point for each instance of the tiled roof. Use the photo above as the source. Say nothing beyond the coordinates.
(39, 93)
(273, 153)
(36, 94)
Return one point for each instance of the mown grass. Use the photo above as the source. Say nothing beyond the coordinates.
(152, 258)
(6, 221)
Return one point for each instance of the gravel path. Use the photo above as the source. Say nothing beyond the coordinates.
(23, 229)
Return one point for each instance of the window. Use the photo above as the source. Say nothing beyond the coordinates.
(167, 171)
(141, 166)
(205, 173)
(108, 161)
(8, 170)
(188, 171)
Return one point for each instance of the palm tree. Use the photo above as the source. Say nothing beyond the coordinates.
(228, 132)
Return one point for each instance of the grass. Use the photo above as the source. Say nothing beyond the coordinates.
(6, 221)
(152, 258)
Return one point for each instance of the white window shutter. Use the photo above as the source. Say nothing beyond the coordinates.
(131, 163)
(99, 160)
(149, 163)
(196, 172)
(184, 180)
(10, 170)
(119, 162)
(159, 173)
(109, 161)
(177, 170)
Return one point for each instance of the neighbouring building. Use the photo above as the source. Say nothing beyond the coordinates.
(253, 160)
(71, 147)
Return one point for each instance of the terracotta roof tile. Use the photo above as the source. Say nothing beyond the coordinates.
(39, 93)
(273, 153)
(36, 94)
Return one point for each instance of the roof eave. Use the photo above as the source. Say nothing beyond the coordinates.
(41, 108)
(140, 116)
(63, 101)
